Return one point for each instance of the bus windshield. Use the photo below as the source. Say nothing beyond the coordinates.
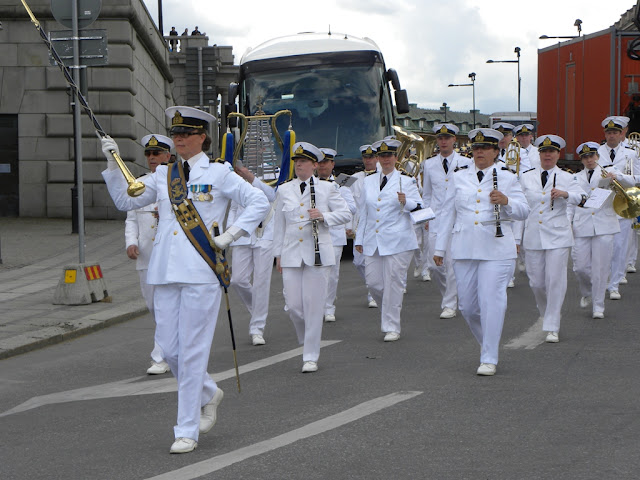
(339, 107)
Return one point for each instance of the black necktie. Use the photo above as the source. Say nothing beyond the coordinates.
(186, 168)
(612, 154)
(502, 152)
(480, 175)
(544, 177)
(383, 183)
(445, 165)
(302, 187)
(589, 174)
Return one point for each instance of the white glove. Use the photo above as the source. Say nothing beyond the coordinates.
(223, 241)
(109, 144)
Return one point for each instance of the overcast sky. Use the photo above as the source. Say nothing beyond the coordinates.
(430, 43)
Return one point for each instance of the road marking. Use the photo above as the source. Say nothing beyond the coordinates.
(529, 339)
(136, 385)
(315, 428)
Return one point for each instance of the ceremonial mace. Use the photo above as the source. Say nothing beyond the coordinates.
(135, 187)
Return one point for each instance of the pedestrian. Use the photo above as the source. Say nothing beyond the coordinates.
(385, 234)
(482, 248)
(182, 265)
(547, 235)
(196, 32)
(305, 210)
(174, 41)
(140, 230)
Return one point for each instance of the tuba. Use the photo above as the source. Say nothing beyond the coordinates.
(408, 162)
(626, 202)
(512, 157)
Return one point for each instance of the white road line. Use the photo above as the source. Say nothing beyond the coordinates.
(529, 339)
(334, 421)
(136, 385)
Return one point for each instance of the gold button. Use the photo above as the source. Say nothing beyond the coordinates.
(592, 188)
(542, 202)
(300, 228)
(593, 213)
(153, 239)
(377, 221)
(175, 232)
(477, 201)
(301, 216)
(378, 209)
(376, 231)
(539, 221)
(544, 193)
(479, 189)
(477, 211)
(475, 223)
(446, 179)
(152, 227)
(378, 199)
(302, 204)
(300, 239)
(540, 211)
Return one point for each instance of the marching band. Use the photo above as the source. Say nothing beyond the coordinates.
(484, 211)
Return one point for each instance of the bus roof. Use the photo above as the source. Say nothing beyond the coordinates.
(308, 43)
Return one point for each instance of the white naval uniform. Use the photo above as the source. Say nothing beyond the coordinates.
(253, 256)
(483, 263)
(547, 240)
(593, 232)
(627, 162)
(434, 191)
(305, 285)
(356, 190)
(339, 240)
(140, 229)
(386, 234)
(529, 158)
(187, 294)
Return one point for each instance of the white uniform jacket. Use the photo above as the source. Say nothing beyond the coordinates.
(174, 259)
(546, 229)
(529, 158)
(385, 224)
(339, 232)
(467, 205)
(140, 229)
(267, 224)
(625, 161)
(588, 222)
(436, 182)
(293, 237)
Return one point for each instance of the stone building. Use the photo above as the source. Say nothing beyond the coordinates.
(421, 120)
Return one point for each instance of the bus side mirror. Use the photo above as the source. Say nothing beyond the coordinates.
(233, 92)
(402, 101)
(392, 76)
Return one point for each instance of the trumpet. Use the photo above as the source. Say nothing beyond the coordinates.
(512, 156)
(496, 207)
(314, 224)
(626, 202)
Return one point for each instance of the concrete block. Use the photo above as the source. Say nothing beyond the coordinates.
(124, 126)
(111, 79)
(101, 197)
(121, 56)
(116, 102)
(59, 195)
(59, 212)
(32, 55)
(34, 78)
(33, 200)
(80, 284)
(20, 31)
(60, 172)
(120, 31)
(54, 79)
(31, 124)
(92, 173)
(9, 56)
(33, 174)
(38, 101)
(38, 148)
(11, 89)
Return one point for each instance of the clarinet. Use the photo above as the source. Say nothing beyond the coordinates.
(496, 207)
(314, 224)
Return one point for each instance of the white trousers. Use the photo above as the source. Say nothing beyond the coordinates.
(386, 276)
(305, 290)
(147, 293)
(444, 276)
(256, 261)
(632, 255)
(358, 262)
(620, 250)
(332, 283)
(186, 316)
(591, 263)
(421, 254)
(482, 299)
(547, 271)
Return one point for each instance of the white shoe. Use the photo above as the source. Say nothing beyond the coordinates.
(521, 267)
(372, 304)
(486, 369)
(183, 445)
(631, 269)
(585, 302)
(391, 337)
(511, 284)
(257, 339)
(404, 290)
(426, 277)
(623, 281)
(158, 368)
(208, 413)
(448, 313)
(614, 295)
(552, 337)
(308, 367)
(416, 272)
(598, 315)
(329, 317)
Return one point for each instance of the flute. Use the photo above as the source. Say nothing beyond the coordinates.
(554, 186)
(496, 207)
(314, 224)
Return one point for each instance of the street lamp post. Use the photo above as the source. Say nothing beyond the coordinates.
(472, 76)
(517, 52)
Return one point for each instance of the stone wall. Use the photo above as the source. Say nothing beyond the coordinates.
(128, 97)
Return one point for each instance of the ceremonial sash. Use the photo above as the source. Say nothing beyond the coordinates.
(192, 225)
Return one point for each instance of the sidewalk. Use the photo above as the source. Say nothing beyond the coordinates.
(34, 252)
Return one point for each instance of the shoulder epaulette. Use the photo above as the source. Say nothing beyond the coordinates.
(607, 166)
(217, 160)
(165, 163)
(370, 173)
(287, 181)
(405, 173)
(460, 168)
(508, 170)
(529, 170)
(630, 148)
(326, 180)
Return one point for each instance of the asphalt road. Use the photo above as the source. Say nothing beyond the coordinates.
(413, 409)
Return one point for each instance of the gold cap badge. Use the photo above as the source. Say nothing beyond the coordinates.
(479, 137)
(524, 129)
(611, 124)
(368, 151)
(177, 119)
(153, 142)
(299, 150)
(443, 129)
(547, 142)
(585, 149)
(383, 147)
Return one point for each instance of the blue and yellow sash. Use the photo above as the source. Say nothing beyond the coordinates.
(193, 226)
